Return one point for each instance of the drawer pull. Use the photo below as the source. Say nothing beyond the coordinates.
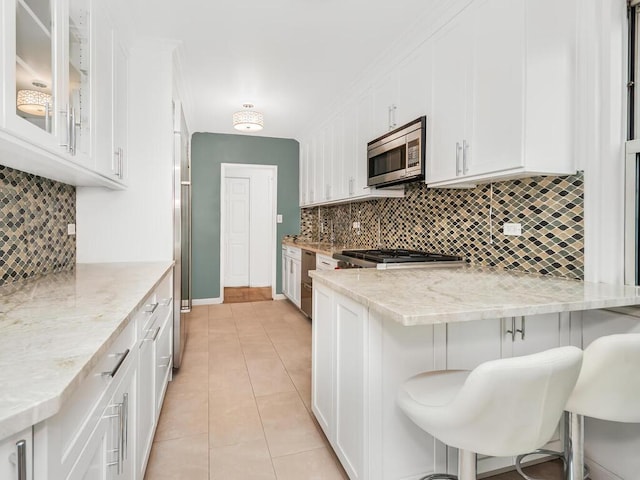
(151, 307)
(21, 450)
(165, 302)
(152, 338)
(112, 373)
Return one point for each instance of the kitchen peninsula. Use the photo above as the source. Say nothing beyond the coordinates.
(373, 329)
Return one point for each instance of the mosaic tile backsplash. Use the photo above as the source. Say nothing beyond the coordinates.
(34, 213)
(469, 222)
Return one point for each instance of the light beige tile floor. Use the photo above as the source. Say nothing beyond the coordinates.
(239, 407)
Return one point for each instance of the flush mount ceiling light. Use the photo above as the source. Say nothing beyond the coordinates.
(248, 120)
(33, 102)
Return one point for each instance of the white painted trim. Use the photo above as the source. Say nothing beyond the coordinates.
(206, 301)
(223, 218)
(598, 472)
(279, 296)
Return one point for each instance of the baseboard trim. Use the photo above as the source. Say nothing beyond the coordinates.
(598, 472)
(280, 296)
(206, 301)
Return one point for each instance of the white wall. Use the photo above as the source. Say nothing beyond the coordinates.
(137, 224)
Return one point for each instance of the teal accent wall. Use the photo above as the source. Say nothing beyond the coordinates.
(208, 152)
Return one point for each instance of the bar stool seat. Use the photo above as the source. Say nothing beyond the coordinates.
(501, 408)
(608, 388)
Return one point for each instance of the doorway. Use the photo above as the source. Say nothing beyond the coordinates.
(247, 231)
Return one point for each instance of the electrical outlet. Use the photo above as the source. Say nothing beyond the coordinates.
(71, 229)
(356, 225)
(514, 229)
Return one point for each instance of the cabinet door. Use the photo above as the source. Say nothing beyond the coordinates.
(146, 405)
(295, 285)
(534, 333)
(338, 181)
(363, 135)
(12, 450)
(350, 149)
(350, 381)
(164, 361)
(303, 172)
(451, 58)
(120, 117)
(385, 105)
(285, 273)
(327, 139)
(322, 353)
(121, 435)
(471, 343)
(105, 161)
(79, 53)
(414, 86)
(495, 139)
(95, 461)
(31, 38)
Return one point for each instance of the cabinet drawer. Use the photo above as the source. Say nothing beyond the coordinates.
(155, 307)
(164, 361)
(324, 262)
(293, 252)
(82, 412)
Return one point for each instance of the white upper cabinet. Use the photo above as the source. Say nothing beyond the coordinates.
(502, 98)
(50, 57)
(110, 113)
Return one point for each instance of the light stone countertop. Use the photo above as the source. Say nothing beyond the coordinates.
(321, 248)
(54, 329)
(424, 296)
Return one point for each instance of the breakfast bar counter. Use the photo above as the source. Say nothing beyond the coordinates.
(372, 329)
(432, 295)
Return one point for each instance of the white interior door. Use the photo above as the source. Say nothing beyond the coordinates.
(238, 231)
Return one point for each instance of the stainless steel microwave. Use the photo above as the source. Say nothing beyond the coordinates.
(398, 156)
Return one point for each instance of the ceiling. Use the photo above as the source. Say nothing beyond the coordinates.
(290, 58)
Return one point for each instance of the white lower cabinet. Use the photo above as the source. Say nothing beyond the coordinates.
(291, 272)
(105, 430)
(16, 456)
(361, 358)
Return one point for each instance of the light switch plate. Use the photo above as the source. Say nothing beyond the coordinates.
(279, 218)
(514, 229)
(71, 229)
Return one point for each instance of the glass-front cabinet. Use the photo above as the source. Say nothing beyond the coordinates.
(47, 63)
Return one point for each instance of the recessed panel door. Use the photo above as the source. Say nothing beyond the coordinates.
(238, 216)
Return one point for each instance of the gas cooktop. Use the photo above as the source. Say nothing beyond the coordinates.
(388, 258)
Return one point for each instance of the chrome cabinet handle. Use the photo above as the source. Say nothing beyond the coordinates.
(165, 365)
(115, 369)
(121, 157)
(73, 135)
(351, 186)
(465, 163)
(21, 452)
(521, 330)
(47, 119)
(458, 169)
(125, 426)
(513, 330)
(67, 112)
(152, 338)
(389, 117)
(165, 302)
(151, 307)
(118, 451)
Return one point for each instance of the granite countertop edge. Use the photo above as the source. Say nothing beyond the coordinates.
(440, 305)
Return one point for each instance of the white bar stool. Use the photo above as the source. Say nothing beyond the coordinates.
(608, 388)
(501, 408)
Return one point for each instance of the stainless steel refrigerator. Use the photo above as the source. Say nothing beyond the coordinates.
(181, 233)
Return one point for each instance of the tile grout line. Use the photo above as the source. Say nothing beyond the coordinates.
(255, 400)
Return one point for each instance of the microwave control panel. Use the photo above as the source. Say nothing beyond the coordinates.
(413, 153)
